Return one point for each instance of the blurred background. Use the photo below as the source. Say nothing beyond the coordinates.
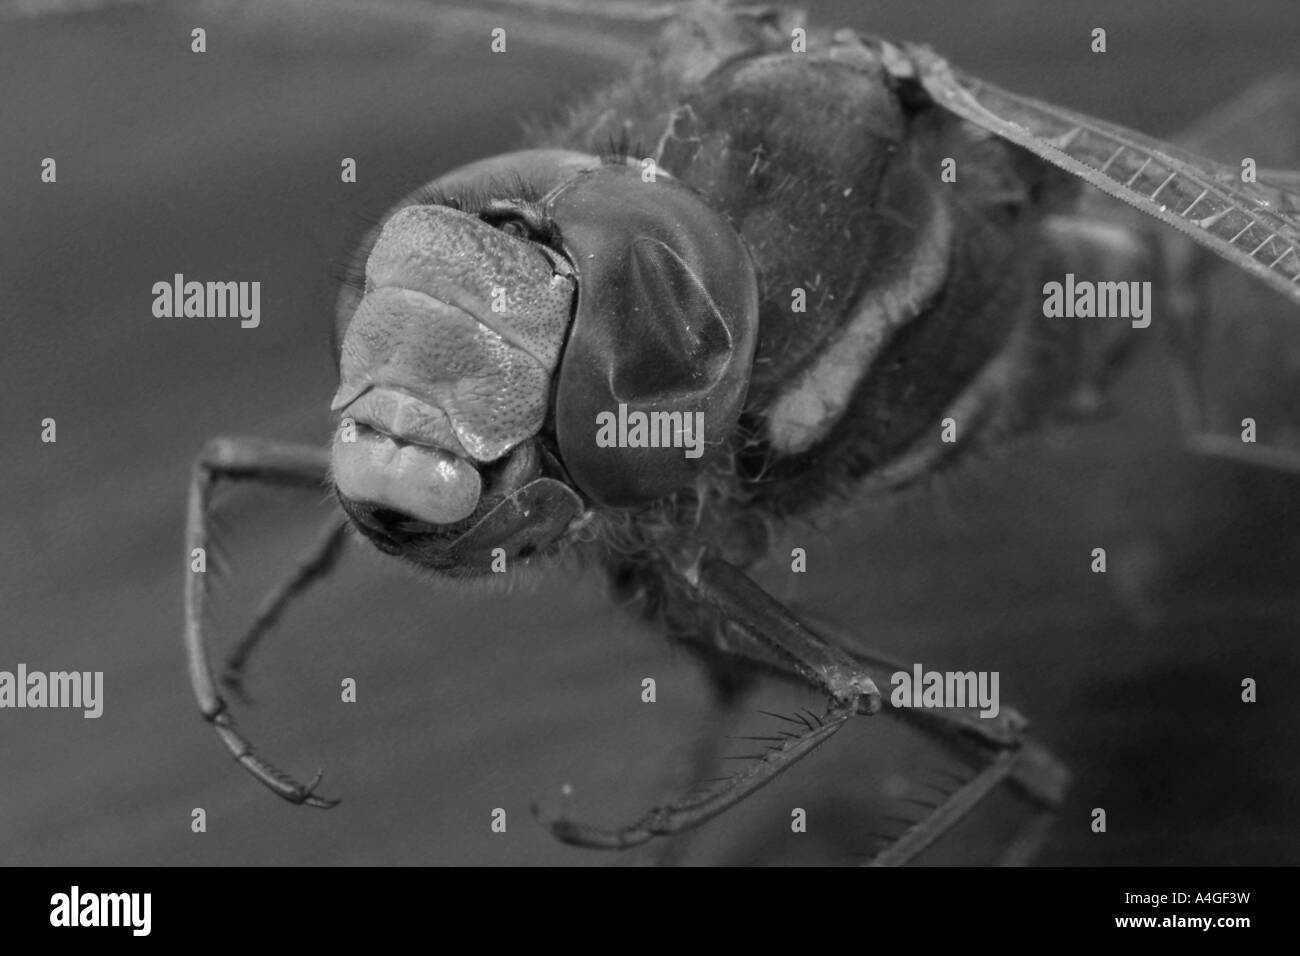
(225, 166)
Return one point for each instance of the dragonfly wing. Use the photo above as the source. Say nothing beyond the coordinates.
(1236, 348)
(1266, 117)
(1253, 225)
(1237, 368)
(1238, 351)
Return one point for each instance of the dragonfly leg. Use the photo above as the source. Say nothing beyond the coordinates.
(1034, 773)
(719, 587)
(1039, 776)
(315, 564)
(1021, 763)
(1011, 758)
(948, 814)
(265, 462)
(1024, 846)
(730, 683)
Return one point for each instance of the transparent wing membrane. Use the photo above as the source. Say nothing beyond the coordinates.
(1235, 348)
(1255, 226)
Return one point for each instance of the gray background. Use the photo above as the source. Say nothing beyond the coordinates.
(225, 166)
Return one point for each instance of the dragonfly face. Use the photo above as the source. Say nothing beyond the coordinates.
(528, 296)
(442, 395)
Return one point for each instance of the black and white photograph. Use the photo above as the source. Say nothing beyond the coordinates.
(553, 433)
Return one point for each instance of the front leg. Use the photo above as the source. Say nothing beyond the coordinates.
(264, 462)
(719, 590)
(754, 628)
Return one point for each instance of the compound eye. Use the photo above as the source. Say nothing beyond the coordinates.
(666, 324)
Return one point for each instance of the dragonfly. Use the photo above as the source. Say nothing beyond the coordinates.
(649, 254)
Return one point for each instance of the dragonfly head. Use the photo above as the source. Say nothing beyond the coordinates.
(517, 315)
